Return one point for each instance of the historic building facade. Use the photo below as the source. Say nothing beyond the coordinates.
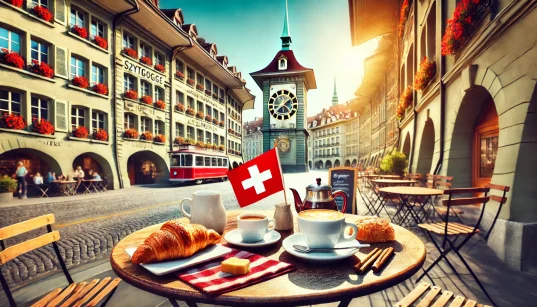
(285, 85)
(468, 110)
(252, 139)
(112, 87)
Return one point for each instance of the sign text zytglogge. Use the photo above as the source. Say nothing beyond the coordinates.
(144, 72)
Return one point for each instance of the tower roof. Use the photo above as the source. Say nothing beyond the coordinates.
(293, 68)
(286, 34)
(335, 99)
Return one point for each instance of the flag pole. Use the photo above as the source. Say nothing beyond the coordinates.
(280, 165)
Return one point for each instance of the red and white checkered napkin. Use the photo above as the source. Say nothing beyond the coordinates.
(210, 279)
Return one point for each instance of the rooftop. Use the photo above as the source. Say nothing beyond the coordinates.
(332, 115)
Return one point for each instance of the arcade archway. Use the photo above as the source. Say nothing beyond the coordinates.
(328, 164)
(34, 161)
(146, 167)
(93, 162)
(426, 149)
(347, 163)
(406, 146)
(235, 164)
(337, 163)
(353, 164)
(321, 164)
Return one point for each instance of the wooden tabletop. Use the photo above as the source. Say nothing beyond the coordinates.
(414, 191)
(308, 284)
(64, 181)
(393, 181)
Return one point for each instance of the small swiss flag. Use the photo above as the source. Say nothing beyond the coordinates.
(257, 178)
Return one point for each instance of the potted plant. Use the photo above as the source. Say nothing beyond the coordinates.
(160, 67)
(80, 31)
(147, 135)
(180, 75)
(131, 94)
(146, 60)
(81, 132)
(160, 104)
(13, 121)
(42, 12)
(12, 59)
(100, 88)
(131, 133)
(147, 100)
(81, 82)
(101, 135)
(42, 126)
(42, 69)
(159, 138)
(180, 107)
(7, 187)
(130, 52)
(395, 163)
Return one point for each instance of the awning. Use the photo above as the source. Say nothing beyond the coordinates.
(372, 18)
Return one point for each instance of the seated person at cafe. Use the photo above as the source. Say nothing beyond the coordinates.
(79, 173)
(61, 177)
(96, 176)
(51, 176)
(89, 174)
(38, 179)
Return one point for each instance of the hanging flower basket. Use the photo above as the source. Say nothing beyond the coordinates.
(82, 32)
(406, 97)
(190, 112)
(17, 3)
(190, 82)
(160, 104)
(130, 52)
(131, 133)
(147, 100)
(42, 126)
(160, 67)
(403, 16)
(131, 94)
(101, 135)
(199, 115)
(42, 12)
(179, 140)
(12, 59)
(146, 135)
(13, 121)
(159, 138)
(425, 74)
(101, 42)
(200, 87)
(42, 69)
(100, 88)
(180, 75)
(81, 82)
(81, 132)
(180, 107)
(146, 60)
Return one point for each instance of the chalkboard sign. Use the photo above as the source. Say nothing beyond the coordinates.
(344, 179)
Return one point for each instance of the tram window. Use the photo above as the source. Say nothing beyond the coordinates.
(225, 162)
(219, 161)
(175, 160)
(199, 161)
(207, 161)
(213, 160)
(187, 160)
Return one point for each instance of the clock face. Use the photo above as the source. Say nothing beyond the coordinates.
(283, 104)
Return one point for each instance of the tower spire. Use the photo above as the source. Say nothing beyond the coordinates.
(286, 34)
(335, 99)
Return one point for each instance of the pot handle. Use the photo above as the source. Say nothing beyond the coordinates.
(344, 195)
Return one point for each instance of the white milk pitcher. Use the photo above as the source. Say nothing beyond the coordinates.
(207, 209)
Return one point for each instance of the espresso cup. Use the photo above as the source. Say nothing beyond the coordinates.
(253, 227)
(321, 228)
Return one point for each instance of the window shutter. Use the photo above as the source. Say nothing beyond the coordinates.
(61, 116)
(59, 11)
(61, 62)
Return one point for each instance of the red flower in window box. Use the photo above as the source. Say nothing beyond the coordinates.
(42, 12)
(82, 32)
(460, 27)
(101, 42)
(180, 75)
(160, 67)
(42, 69)
(81, 132)
(130, 52)
(207, 92)
(215, 121)
(190, 111)
(208, 118)
(160, 104)
(131, 133)
(180, 107)
(101, 135)
(100, 88)
(12, 59)
(159, 138)
(42, 126)
(147, 100)
(190, 81)
(179, 140)
(425, 74)
(406, 97)
(199, 115)
(146, 60)
(146, 135)
(405, 10)
(13, 121)
(200, 144)
(17, 3)
(131, 94)
(215, 147)
(221, 147)
(200, 87)
(221, 123)
(81, 82)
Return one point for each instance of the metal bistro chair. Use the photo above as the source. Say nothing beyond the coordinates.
(417, 177)
(455, 230)
(77, 294)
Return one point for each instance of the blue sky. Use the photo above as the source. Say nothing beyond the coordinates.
(248, 32)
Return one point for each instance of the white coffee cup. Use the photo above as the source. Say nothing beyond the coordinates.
(207, 209)
(253, 226)
(321, 228)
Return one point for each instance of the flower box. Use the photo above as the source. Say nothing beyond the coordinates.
(208, 118)
(42, 69)
(146, 61)
(147, 100)
(180, 107)
(130, 52)
(101, 42)
(160, 104)
(160, 67)
(159, 138)
(190, 82)
(200, 87)
(208, 93)
(82, 32)
(221, 123)
(42, 126)
(146, 135)
(12, 59)
(80, 81)
(13, 121)
(17, 3)
(190, 112)
(406, 98)
(405, 11)
(215, 121)
(425, 74)
(200, 144)
(179, 140)
(42, 12)
(221, 147)
(100, 135)
(199, 115)
(81, 132)
(180, 75)
(466, 18)
(100, 88)
(221, 100)
(131, 133)
(215, 96)
(131, 94)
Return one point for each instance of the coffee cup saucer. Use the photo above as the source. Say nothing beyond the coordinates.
(234, 237)
(320, 257)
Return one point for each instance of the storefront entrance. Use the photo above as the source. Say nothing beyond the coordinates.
(146, 168)
(34, 161)
(485, 145)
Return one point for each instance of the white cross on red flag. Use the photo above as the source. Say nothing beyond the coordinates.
(257, 178)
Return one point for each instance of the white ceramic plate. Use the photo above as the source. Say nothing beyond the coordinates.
(320, 257)
(234, 237)
(166, 267)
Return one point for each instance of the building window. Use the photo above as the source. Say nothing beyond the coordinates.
(146, 89)
(97, 29)
(215, 89)
(179, 98)
(97, 121)
(43, 3)
(179, 129)
(78, 18)
(78, 67)
(190, 73)
(146, 124)
(207, 137)
(208, 110)
(145, 51)
(208, 84)
(283, 64)
(159, 127)
(129, 122)
(10, 40)
(10, 102)
(190, 133)
(159, 59)
(179, 66)
(40, 108)
(97, 74)
(129, 83)
(200, 107)
(159, 94)
(129, 41)
(191, 103)
(39, 51)
(78, 117)
(222, 93)
(199, 135)
(200, 79)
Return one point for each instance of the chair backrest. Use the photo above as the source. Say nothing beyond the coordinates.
(417, 177)
(463, 201)
(442, 182)
(497, 198)
(16, 250)
(429, 181)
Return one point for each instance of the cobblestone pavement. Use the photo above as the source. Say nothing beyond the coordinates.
(91, 225)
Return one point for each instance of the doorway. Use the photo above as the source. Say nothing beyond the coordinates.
(485, 145)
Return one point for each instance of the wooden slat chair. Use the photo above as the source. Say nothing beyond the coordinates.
(451, 231)
(417, 177)
(445, 183)
(435, 297)
(76, 294)
(501, 200)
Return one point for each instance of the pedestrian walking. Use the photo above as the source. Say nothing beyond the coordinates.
(21, 182)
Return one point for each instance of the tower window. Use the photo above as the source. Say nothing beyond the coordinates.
(282, 63)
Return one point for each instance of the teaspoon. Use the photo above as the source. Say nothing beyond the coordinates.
(305, 249)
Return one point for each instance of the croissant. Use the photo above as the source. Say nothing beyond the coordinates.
(174, 240)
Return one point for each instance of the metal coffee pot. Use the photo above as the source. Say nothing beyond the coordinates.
(319, 197)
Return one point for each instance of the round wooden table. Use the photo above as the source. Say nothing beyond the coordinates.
(393, 182)
(308, 284)
(420, 196)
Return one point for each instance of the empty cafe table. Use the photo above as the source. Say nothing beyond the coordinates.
(412, 197)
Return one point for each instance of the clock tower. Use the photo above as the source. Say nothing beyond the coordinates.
(285, 85)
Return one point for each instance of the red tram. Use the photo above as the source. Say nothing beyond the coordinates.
(190, 165)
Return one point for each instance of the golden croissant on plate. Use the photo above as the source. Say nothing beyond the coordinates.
(174, 240)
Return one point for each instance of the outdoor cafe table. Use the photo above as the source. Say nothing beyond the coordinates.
(91, 185)
(410, 198)
(66, 187)
(308, 284)
(377, 197)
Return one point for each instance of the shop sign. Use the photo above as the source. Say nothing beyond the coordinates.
(202, 97)
(52, 143)
(143, 145)
(201, 124)
(144, 72)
